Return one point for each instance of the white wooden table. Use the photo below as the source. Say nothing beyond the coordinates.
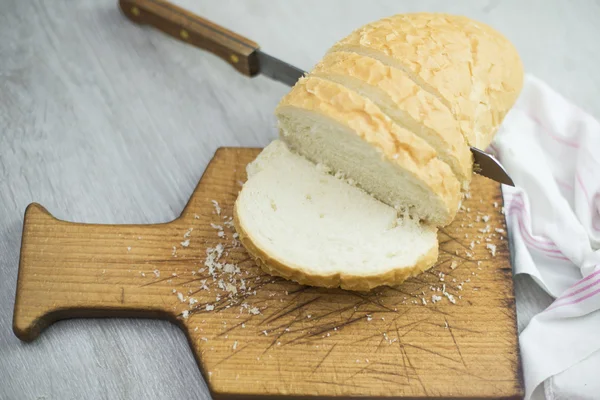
(103, 121)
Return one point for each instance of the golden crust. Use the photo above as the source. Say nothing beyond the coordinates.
(470, 67)
(272, 266)
(398, 145)
(424, 108)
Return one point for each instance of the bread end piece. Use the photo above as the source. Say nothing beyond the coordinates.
(302, 223)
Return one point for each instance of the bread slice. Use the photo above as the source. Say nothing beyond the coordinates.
(405, 103)
(333, 125)
(301, 223)
(468, 66)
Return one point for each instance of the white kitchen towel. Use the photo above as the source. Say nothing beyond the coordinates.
(551, 149)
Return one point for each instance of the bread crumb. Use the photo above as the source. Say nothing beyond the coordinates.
(435, 298)
(491, 248)
(495, 204)
(180, 297)
(217, 207)
(453, 265)
(128, 249)
(254, 310)
(234, 345)
(185, 243)
(221, 234)
(142, 273)
(485, 218)
(499, 230)
(185, 314)
(192, 301)
(156, 273)
(448, 295)
(188, 233)
(209, 307)
(369, 318)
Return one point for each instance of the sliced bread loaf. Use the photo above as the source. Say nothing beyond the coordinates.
(380, 128)
(333, 125)
(299, 222)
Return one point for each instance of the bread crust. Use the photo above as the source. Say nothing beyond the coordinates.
(399, 146)
(468, 66)
(271, 265)
(421, 106)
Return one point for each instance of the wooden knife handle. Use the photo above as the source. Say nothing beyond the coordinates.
(237, 50)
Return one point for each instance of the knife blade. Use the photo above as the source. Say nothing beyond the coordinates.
(277, 69)
(246, 56)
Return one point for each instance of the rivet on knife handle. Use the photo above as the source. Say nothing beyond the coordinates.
(238, 51)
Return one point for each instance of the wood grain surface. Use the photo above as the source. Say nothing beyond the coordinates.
(448, 333)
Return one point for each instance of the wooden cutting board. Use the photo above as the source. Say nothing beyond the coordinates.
(257, 336)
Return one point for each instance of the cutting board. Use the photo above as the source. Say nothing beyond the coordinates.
(448, 333)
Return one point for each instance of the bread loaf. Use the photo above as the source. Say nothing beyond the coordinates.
(392, 110)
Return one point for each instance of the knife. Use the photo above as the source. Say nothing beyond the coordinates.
(245, 56)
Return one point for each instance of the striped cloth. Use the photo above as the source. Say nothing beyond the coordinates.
(551, 149)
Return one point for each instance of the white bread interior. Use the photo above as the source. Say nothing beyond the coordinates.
(304, 224)
(332, 125)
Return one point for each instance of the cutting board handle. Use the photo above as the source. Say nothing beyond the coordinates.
(70, 270)
(237, 50)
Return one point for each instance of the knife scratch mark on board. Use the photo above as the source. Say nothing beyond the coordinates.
(323, 359)
(455, 343)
